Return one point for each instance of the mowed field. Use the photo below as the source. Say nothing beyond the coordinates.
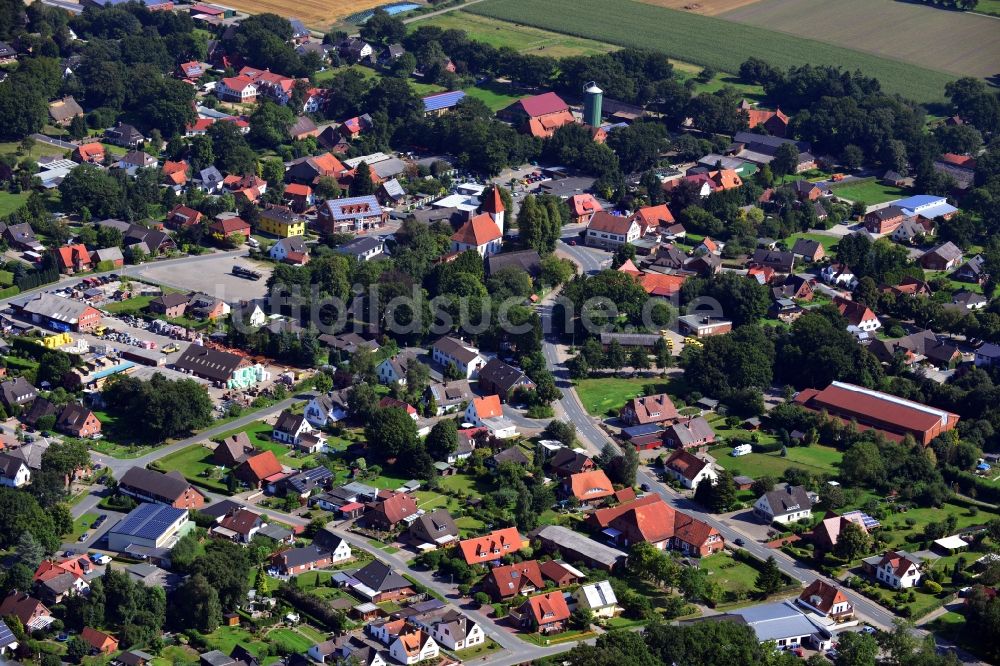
(957, 42)
(709, 41)
(315, 14)
(521, 38)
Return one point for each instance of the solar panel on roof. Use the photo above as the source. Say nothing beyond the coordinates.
(6, 635)
(443, 100)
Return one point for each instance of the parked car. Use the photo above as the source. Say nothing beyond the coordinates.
(739, 542)
(83, 537)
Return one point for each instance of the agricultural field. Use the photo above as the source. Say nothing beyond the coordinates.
(521, 38)
(683, 36)
(315, 14)
(705, 7)
(957, 42)
(868, 192)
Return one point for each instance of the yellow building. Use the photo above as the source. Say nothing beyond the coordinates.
(56, 341)
(281, 222)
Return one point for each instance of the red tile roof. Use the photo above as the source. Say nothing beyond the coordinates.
(653, 216)
(686, 464)
(603, 517)
(592, 485)
(488, 406)
(584, 204)
(608, 223)
(509, 580)
(653, 520)
(492, 202)
(548, 608)
(263, 465)
(478, 231)
(822, 595)
(540, 105)
(396, 507)
(492, 546)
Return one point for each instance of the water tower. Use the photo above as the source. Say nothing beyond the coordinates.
(593, 98)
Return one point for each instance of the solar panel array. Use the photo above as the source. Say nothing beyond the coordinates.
(6, 635)
(149, 521)
(869, 522)
(442, 100)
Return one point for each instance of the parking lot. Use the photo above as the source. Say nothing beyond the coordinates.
(211, 275)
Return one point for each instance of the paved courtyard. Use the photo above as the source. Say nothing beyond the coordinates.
(212, 276)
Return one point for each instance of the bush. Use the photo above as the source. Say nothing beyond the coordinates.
(482, 598)
(930, 587)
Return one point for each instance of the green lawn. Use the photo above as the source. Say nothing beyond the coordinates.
(81, 525)
(481, 650)
(896, 529)
(130, 306)
(604, 396)
(260, 436)
(494, 95)
(195, 463)
(816, 459)
(469, 526)
(226, 638)
(290, 639)
(176, 655)
(868, 192)
(730, 575)
(829, 241)
(11, 202)
(38, 150)
(521, 38)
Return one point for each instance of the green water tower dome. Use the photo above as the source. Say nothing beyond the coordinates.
(593, 98)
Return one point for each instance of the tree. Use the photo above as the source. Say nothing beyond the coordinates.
(761, 485)
(581, 618)
(786, 159)
(565, 432)
(853, 541)
(395, 432)
(361, 183)
(195, 605)
(856, 649)
(442, 440)
(770, 578)
(29, 551)
(77, 649)
(615, 357)
(383, 28)
(362, 402)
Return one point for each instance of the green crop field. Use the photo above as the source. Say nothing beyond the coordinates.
(961, 43)
(521, 38)
(709, 41)
(868, 192)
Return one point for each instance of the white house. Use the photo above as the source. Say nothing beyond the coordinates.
(838, 275)
(14, 471)
(455, 631)
(598, 598)
(452, 351)
(414, 647)
(393, 370)
(897, 568)
(326, 409)
(784, 506)
(236, 89)
(689, 469)
(610, 231)
(293, 244)
(481, 234)
(487, 412)
(257, 317)
(289, 428)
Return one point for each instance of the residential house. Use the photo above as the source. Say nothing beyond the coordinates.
(897, 569)
(827, 600)
(544, 613)
(99, 642)
(539, 115)
(968, 300)
(30, 611)
(8, 642)
(611, 231)
(803, 190)
(465, 358)
(63, 111)
(222, 229)
(785, 505)
(861, 320)
(589, 488)
(891, 415)
(294, 561)
(435, 528)
(22, 237)
(657, 219)
(453, 630)
(354, 127)
(487, 412)
(493, 546)
(354, 49)
(693, 433)
(912, 229)
(972, 271)
(775, 122)
(782, 262)
(258, 469)
(78, 421)
(566, 462)
(327, 409)
(449, 396)
(170, 304)
(210, 180)
(388, 402)
(521, 578)
(908, 286)
(809, 250)
(111, 254)
(170, 489)
(826, 534)
(497, 377)
(378, 583)
(524, 260)
(560, 573)
(181, 216)
(308, 170)
(363, 248)
(943, 257)
(135, 159)
(838, 275)
(290, 250)
(598, 598)
(302, 128)
(73, 258)
(920, 346)
(480, 234)
(14, 471)
(281, 222)
(192, 69)
(649, 409)
(393, 370)
(124, 135)
(290, 427)
(582, 207)
(239, 526)
(688, 469)
(233, 450)
(17, 392)
(649, 519)
(350, 215)
(386, 513)
(239, 89)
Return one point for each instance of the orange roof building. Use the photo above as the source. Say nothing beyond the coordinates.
(99, 641)
(487, 407)
(493, 546)
(547, 612)
(583, 206)
(480, 234)
(257, 469)
(89, 152)
(654, 216)
(589, 487)
(651, 520)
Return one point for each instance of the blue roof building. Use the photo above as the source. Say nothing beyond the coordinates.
(350, 214)
(442, 102)
(925, 205)
(149, 526)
